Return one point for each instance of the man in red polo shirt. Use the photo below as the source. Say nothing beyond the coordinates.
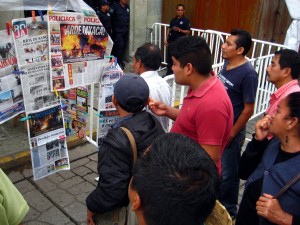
(206, 115)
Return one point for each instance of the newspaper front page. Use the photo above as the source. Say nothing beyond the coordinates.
(78, 44)
(107, 112)
(31, 40)
(11, 95)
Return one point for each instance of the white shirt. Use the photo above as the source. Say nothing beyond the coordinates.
(160, 90)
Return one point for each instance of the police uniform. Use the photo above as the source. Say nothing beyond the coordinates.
(105, 19)
(120, 24)
(183, 24)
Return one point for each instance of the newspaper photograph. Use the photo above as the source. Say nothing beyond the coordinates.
(45, 126)
(111, 74)
(50, 158)
(74, 103)
(78, 44)
(11, 96)
(36, 87)
(31, 40)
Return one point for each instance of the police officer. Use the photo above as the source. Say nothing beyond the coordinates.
(104, 16)
(179, 26)
(120, 25)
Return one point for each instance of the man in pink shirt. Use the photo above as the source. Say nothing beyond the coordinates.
(284, 73)
(206, 115)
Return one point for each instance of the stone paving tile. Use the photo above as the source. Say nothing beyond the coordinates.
(94, 157)
(32, 215)
(27, 172)
(77, 211)
(91, 178)
(35, 223)
(54, 216)
(24, 186)
(82, 171)
(85, 187)
(66, 174)
(92, 165)
(71, 182)
(79, 162)
(61, 197)
(46, 185)
(15, 176)
(82, 151)
(37, 200)
(56, 178)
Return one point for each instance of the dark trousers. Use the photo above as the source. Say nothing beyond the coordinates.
(230, 173)
(120, 40)
(169, 63)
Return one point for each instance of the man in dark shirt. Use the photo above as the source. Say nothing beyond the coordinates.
(179, 26)
(120, 26)
(104, 16)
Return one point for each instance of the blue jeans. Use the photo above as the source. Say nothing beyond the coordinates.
(230, 173)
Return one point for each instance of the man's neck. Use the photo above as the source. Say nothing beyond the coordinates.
(198, 80)
(235, 62)
(282, 82)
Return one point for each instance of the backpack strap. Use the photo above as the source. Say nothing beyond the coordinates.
(132, 143)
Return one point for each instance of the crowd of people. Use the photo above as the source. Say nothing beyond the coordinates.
(179, 177)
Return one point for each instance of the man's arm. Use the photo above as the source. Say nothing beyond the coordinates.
(167, 36)
(213, 151)
(161, 109)
(241, 121)
(114, 168)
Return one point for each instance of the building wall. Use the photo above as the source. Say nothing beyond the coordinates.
(264, 19)
(143, 14)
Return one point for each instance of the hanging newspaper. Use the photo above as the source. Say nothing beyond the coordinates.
(31, 40)
(36, 87)
(74, 103)
(107, 111)
(11, 96)
(49, 158)
(47, 141)
(78, 44)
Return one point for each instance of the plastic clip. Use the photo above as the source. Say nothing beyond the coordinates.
(56, 92)
(18, 72)
(99, 115)
(25, 118)
(62, 137)
(8, 27)
(50, 10)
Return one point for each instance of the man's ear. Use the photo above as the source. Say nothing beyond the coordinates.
(240, 50)
(292, 123)
(287, 72)
(136, 201)
(114, 100)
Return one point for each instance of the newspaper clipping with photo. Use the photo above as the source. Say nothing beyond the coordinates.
(31, 40)
(11, 96)
(50, 158)
(78, 45)
(74, 103)
(36, 87)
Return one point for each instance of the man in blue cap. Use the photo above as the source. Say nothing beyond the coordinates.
(115, 157)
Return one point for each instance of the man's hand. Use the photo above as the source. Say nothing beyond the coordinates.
(262, 128)
(90, 219)
(269, 208)
(158, 108)
(231, 136)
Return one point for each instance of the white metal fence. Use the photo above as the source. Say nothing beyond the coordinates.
(260, 57)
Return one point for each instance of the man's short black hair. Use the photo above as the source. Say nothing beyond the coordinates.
(289, 59)
(182, 5)
(192, 50)
(177, 181)
(243, 39)
(150, 56)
